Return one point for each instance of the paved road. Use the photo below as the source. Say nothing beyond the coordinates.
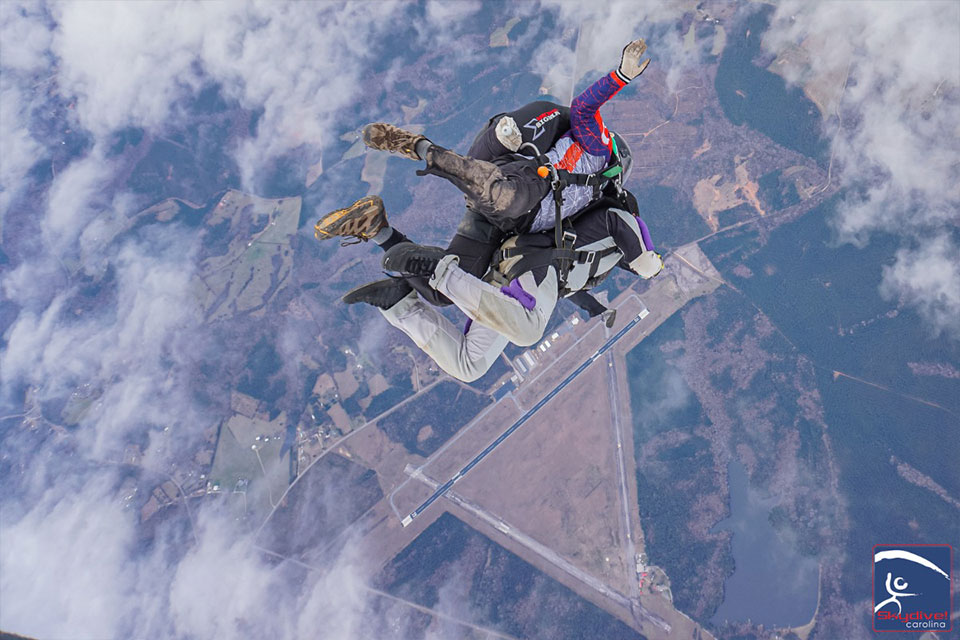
(541, 550)
(333, 446)
(413, 605)
(629, 549)
(519, 423)
(639, 613)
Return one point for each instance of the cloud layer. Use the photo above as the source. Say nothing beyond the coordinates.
(606, 27)
(72, 554)
(896, 144)
(74, 74)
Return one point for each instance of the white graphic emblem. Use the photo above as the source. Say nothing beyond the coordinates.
(898, 588)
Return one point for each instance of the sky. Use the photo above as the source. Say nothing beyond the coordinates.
(72, 566)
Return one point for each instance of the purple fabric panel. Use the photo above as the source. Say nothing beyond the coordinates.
(645, 234)
(466, 327)
(515, 291)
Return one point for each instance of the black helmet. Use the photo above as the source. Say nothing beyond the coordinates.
(622, 151)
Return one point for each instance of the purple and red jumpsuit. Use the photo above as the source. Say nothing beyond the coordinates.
(586, 148)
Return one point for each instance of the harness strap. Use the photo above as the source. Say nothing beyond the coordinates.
(534, 257)
(562, 239)
(560, 179)
(585, 257)
(587, 302)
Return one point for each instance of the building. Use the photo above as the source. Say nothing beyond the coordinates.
(529, 360)
(504, 389)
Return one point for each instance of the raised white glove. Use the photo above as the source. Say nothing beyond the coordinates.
(647, 264)
(630, 65)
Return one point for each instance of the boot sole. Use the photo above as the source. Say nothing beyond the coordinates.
(387, 140)
(362, 293)
(338, 222)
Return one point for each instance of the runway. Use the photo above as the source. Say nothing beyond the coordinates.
(516, 425)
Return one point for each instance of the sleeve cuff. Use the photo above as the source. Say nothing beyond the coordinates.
(620, 78)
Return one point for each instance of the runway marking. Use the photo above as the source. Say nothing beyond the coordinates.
(516, 425)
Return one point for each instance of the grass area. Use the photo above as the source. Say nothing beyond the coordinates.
(236, 460)
(258, 258)
(232, 462)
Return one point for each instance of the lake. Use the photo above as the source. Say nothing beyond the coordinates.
(772, 584)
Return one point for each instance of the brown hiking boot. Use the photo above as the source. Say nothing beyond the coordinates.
(386, 137)
(361, 220)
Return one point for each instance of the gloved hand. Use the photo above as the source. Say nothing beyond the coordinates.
(647, 264)
(630, 65)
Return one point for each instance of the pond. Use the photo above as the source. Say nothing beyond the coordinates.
(772, 584)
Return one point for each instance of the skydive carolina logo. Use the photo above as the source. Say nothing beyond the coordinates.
(911, 587)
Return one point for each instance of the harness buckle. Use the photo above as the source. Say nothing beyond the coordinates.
(555, 184)
(569, 238)
(591, 256)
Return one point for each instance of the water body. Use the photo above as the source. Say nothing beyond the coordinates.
(772, 584)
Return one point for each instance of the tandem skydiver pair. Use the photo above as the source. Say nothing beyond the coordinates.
(546, 217)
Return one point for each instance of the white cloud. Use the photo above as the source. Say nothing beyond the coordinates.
(897, 148)
(307, 66)
(122, 352)
(70, 563)
(17, 148)
(335, 606)
(129, 64)
(675, 395)
(24, 23)
(75, 568)
(442, 14)
(240, 595)
(65, 569)
(606, 28)
(75, 198)
(28, 335)
(928, 277)
(554, 62)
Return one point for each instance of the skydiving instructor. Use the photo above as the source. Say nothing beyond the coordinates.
(508, 200)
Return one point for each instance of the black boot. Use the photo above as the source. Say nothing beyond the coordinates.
(411, 259)
(382, 294)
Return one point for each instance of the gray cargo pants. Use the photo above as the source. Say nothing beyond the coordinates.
(497, 319)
